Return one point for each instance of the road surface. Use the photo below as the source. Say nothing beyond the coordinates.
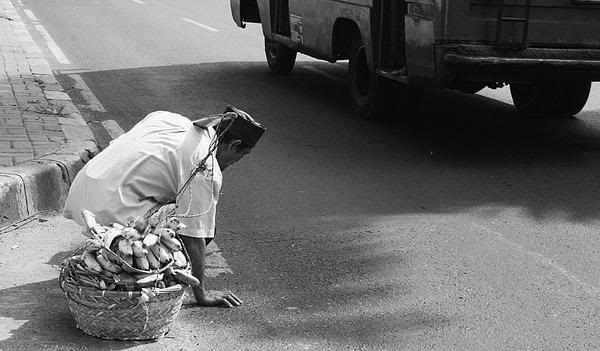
(462, 227)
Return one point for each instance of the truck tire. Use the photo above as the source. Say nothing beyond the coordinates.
(280, 58)
(367, 88)
(550, 98)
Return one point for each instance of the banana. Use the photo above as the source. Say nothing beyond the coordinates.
(149, 280)
(165, 232)
(172, 223)
(91, 263)
(125, 278)
(141, 263)
(170, 243)
(179, 259)
(162, 253)
(127, 265)
(165, 255)
(152, 260)
(131, 234)
(111, 237)
(124, 246)
(169, 222)
(180, 228)
(155, 251)
(111, 256)
(138, 249)
(185, 277)
(107, 275)
(102, 285)
(161, 214)
(93, 245)
(138, 223)
(150, 240)
(106, 264)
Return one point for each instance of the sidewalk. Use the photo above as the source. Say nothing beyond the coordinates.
(44, 140)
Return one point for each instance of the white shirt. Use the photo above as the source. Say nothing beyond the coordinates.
(147, 166)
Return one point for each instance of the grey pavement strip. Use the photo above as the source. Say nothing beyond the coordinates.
(92, 102)
(44, 140)
(113, 128)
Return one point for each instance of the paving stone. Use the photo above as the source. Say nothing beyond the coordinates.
(15, 131)
(6, 161)
(57, 95)
(17, 154)
(10, 122)
(24, 158)
(38, 138)
(57, 137)
(35, 111)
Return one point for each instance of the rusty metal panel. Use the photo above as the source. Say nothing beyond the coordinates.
(421, 24)
(317, 18)
(420, 39)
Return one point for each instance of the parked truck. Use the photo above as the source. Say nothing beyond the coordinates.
(548, 51)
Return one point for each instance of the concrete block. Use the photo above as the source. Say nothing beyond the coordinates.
(42, 184)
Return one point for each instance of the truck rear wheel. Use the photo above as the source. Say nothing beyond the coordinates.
(280, 58)
(552, 99)
(367, 88)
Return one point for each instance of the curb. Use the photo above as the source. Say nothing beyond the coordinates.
(42, 183)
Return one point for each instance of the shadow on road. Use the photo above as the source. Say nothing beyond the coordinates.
(459, 151)
(46, 321)
(37, 318)
(319, 171)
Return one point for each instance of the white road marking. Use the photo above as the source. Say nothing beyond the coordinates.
(325, 74)
(589, 289)
(30, 14)
(92, 101)
(56, 51)
(139, 2)
(200, 25)
(112, 128)
(215, 262)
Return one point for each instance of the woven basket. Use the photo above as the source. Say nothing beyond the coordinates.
(123, 315)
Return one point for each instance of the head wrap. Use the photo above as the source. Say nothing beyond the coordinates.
(243, 126)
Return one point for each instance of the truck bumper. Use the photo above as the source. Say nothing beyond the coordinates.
(485, 63)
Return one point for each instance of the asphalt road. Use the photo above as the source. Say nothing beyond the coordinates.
(461, 227)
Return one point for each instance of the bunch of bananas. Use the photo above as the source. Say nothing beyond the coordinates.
(141, 254)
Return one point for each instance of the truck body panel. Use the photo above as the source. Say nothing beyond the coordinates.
(441, 43)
